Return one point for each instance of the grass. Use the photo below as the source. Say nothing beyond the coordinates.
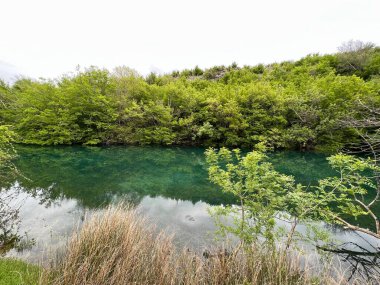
(17, 272)
(117, 246)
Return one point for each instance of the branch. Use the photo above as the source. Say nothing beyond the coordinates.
(371, 214)
(356, 228)
(350, 252)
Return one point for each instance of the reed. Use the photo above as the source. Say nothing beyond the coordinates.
(117, 246)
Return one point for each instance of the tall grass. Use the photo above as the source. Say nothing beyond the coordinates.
(117, 246)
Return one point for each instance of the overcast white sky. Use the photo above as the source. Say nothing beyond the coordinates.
(46, 38)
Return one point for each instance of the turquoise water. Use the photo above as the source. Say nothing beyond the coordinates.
(93, 176)
(60, 185)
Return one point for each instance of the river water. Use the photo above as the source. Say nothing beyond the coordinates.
(59, 186)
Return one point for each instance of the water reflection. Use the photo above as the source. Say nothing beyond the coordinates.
(48, 226)
(9, 222)
(190, 220)
(93, 176)
(52, 225)
(10, 236)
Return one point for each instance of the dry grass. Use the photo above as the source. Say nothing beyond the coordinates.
(117, 246)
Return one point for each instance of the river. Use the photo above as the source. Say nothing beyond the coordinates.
(58, 186)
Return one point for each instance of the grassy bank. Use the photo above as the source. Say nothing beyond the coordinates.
(16, 272)
(117, 246)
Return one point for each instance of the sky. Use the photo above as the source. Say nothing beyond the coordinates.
(48, 38)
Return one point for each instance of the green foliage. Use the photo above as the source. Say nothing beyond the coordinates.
(297, 105)
(261, 190)
(215, 72)
(151, 78)
(9, 213)
(353, 193)
(359, 58)
(266, 195)
(197, 71)
(145, 123)
(7, 151)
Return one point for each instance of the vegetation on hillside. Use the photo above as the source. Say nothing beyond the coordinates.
(298, 104)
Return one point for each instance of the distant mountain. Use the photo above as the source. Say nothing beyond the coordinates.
(8, 72)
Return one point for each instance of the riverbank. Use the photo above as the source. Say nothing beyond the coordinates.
(118, 246)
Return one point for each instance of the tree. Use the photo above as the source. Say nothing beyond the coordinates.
(260, 190)
(288, 105)
(354, 56)
(40, 114)
(89, 108)
(197, 71)
(351, 194)
(265, 195)
(151, 78)
(365, 121)
(7, 152)
(358, 185)
(145, 123)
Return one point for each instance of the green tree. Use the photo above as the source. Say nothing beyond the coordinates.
(353, 193)
(260, 189)
(7, 152)
(357, 57)
(264, 195)
(91, 114)
(298, 104)
(39, 114)
(146, 123)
